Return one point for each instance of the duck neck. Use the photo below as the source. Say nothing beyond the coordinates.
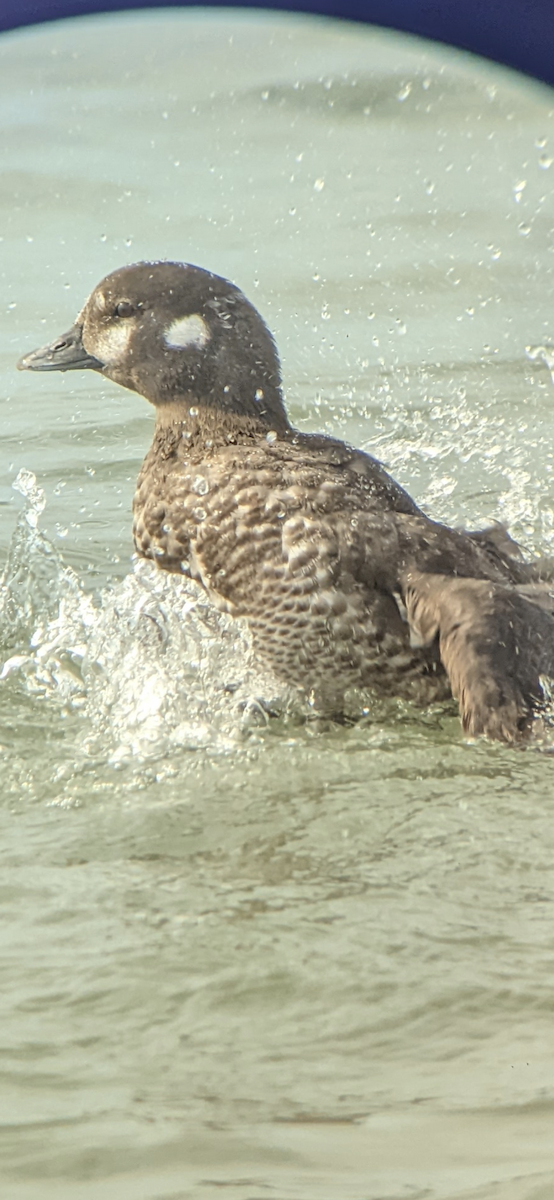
(197, 423)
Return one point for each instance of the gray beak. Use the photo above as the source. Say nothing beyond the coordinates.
(67, 353)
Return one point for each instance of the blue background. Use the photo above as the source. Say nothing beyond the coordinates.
(519, 33)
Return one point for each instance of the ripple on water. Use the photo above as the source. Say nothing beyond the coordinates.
(281, 960)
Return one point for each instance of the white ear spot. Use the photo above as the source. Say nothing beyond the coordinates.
(187, 331)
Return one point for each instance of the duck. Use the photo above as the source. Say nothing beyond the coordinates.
(345, 583)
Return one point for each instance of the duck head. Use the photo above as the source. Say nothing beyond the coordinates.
(178, 335)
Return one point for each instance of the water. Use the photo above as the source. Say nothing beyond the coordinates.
(240, 956)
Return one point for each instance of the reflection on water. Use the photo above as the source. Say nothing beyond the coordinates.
(248, 956)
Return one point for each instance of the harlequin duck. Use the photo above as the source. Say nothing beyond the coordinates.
(343, 580)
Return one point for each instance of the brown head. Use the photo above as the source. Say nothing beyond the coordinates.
(175, 334)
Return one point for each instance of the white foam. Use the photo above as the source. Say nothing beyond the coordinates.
(149, 663)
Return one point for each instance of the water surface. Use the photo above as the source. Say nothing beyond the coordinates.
(244, 959)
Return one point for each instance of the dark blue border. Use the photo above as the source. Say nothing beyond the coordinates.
(518, 33)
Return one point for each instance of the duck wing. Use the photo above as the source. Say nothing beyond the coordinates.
(494, 636)
(496, 644)
(354, 468)
(505, 553)
(498, 554)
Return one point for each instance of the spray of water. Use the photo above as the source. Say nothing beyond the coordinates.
(149, 663)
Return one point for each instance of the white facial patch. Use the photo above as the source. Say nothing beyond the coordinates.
(187, 331)
(112, 343)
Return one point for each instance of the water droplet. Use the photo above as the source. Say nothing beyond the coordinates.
(545, 161)
(128, 241)
(200, 485)
(292, 212)
(62, 530)
(404, 92)
(26, 483)
(524, 230)
(429, 187)
(259, 394)
(265, 95)
(199, 513)
(319, 185)
(271, 437)
(546, 353)
(193, 412)
(540, 142)
(518, 189)
(103, 237)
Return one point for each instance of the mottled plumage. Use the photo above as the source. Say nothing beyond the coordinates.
(343, 580)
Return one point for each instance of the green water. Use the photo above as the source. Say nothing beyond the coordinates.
(240, 959)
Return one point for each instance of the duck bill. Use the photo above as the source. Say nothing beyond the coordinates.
(66, 353)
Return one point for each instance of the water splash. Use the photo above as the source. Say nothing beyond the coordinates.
(146, 667)
(33, 574)
(149, 663)
(544, 354)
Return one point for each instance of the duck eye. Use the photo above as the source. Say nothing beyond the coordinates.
(124, 309)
